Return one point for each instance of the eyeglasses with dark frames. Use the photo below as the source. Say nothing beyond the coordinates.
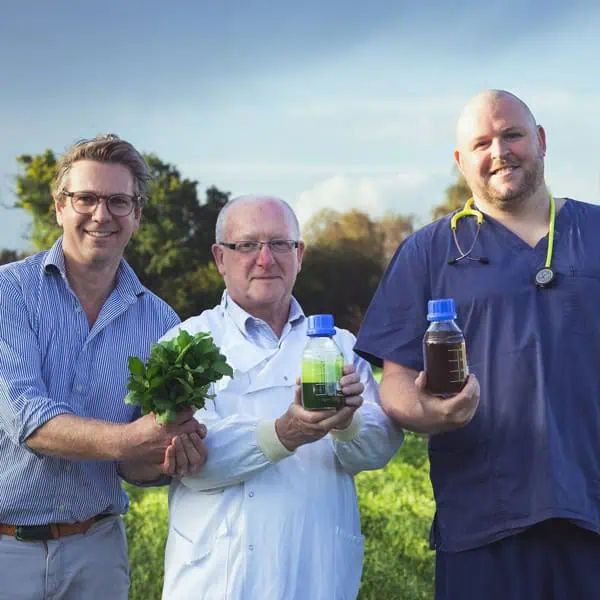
(253, 246)
(118, 205)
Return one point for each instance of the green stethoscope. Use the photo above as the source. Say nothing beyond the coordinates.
(544, 276)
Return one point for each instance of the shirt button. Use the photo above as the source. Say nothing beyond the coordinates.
(285, 377)
(79, 388)
(61, 507)
(251, 494)
(251, 547)
(68, 467)
(78, 308)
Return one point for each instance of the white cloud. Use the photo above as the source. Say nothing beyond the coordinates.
(408, 192)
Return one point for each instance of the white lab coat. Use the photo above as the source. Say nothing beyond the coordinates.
(260, 522)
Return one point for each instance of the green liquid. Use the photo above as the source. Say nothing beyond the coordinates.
(321, 396)
(320, 389)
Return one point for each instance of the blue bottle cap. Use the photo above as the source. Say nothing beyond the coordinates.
(441, 310)
(320, 326)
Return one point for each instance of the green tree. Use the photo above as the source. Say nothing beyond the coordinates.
(345, 258)
(34, 195)
(456, 196)
(8, 256)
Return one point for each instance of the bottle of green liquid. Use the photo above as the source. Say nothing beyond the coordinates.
(322, 364)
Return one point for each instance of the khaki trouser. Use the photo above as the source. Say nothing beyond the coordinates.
(89, 566)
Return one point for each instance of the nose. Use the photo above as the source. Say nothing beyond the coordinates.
(499, 148)
(265, 256)
(101, 212)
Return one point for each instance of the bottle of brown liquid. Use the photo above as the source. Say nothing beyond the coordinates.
(444, 351)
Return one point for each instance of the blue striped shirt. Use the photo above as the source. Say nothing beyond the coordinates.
(52, 363)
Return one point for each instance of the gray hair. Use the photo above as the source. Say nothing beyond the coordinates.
(106, 148)
(247, 198)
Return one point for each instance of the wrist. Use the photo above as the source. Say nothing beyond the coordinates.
(272, 442)
(121, 442)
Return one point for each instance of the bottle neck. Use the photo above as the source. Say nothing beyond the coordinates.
(444, 325)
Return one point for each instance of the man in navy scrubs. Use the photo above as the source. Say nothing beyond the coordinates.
(515, 457)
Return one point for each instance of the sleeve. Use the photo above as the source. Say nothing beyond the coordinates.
(372, 439)
(238, 448)
(24, 401)
(396, 319)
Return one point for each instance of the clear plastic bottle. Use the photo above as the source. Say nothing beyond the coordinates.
(444, 350)
(322, 365)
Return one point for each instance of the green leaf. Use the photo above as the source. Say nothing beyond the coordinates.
(157, 382)
(131, 398)
(223, 368)
(178, 373)
(136, 366)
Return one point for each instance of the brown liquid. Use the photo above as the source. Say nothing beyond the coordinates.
(445, 365)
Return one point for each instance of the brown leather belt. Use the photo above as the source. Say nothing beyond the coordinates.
(41, 533)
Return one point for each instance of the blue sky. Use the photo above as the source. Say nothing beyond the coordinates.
(327, 104)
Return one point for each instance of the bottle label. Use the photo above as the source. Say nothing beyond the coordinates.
(320, 384)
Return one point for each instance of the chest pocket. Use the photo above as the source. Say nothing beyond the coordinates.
(582, 292)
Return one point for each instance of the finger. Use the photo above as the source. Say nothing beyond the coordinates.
(421, 381)
(341, 416)
(181, 458)
(350, 379)
(353, 401)
(348, 369)
(195, 451)
(185, 414)
(168, 466)
(191, 426)
(298, 395)
(310, 417)
(201, 432)
(354, 389)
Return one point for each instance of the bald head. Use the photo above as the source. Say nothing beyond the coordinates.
(239, 202)
(483, 101)
(500, 151)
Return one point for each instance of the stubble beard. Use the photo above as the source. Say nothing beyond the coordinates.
(533, 178)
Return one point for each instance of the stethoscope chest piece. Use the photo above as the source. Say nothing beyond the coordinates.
(544, 277)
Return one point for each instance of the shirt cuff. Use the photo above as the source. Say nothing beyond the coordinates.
(269, 442)
(158, 481)
(348, 434)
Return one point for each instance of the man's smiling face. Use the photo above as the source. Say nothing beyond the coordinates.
(97, 239)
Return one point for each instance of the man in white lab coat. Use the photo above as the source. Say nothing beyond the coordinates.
(273, 513)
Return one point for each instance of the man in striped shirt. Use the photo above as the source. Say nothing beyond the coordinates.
(69, 319)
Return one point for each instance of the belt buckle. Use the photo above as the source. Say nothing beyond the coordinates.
(33, 533)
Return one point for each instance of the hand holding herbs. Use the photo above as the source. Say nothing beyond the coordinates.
(178, 374)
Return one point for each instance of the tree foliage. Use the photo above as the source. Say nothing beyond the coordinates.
(344, 261)
(8, 256)
(456, 196)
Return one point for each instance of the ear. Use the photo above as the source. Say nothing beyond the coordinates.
(541, 139)
(300, 252)
(217, 252)
(458, 159)
(59, 207)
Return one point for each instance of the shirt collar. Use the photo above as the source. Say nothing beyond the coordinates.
(128, 285)
(241, 318)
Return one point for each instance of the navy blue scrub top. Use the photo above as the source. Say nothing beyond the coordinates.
(532, 450)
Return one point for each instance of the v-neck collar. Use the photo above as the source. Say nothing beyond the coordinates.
(517, 243)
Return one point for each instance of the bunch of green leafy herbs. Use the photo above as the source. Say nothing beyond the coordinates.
(177, 374)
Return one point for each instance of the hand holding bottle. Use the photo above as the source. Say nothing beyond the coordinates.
(299, 426)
